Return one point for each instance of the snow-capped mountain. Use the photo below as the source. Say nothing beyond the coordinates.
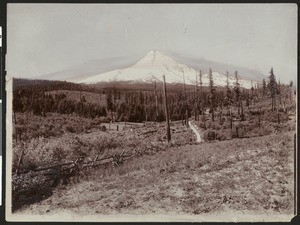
(156, 64)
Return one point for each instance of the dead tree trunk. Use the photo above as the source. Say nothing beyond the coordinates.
(259, 116)
(242, 110)
(166, 110)
(185, 98)
(156, 102)
(197, 100)
(230, 113)
(238, 105)
(20, 161)
(145, 107)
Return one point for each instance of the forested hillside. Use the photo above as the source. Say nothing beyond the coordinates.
(113, 102)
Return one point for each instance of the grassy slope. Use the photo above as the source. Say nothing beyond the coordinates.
(70, 145)
(245, 175)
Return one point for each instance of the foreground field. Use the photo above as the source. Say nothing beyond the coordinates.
(254, 175)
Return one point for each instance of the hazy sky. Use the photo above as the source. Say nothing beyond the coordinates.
(46, 38)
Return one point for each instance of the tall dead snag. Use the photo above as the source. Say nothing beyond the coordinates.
(228, 91)
(201, 96)
(279, 92)
(259, 116)
(230, 113)
(145, 106)
(264, 88)
(212, 96)
(242, 110)
(237, 91)
(185, 98)
(109, 104)
(200, 81)
(196, 99)
(156, 101)
(252, 93)
(237, 131)
(166, 110)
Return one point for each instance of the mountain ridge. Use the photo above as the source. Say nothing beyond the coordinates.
(205, 64)
(155, 64)
(79, 73)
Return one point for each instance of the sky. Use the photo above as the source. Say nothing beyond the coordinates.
(46, 38)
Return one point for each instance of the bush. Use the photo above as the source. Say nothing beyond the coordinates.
(210, 135)
(96, 122)
(70, 129)
(29, 188)
(105, 119)
(202, 125)
(221, 137)
(103, 128)
(208, 124)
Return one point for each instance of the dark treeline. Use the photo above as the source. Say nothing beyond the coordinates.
(45, 85)
(40, 103)
(142, 105)
(121, 105)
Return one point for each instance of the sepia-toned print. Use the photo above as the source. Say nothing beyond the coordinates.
(161, 112)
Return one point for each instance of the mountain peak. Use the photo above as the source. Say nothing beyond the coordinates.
(154, 59)
(155, 64)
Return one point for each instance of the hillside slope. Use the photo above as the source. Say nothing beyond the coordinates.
(249, 176)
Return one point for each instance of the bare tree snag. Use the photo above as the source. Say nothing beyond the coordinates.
(166, 110)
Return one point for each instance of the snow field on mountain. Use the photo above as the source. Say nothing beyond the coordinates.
(154, 65)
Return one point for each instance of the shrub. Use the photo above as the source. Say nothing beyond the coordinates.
(210, 135)
(70, 129)
(221, 136)
(208, 124)
(96, 122)
(105, 119)
(103, 128)
(202, 125)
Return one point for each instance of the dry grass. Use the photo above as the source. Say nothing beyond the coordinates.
(133, 138)
(243, 175)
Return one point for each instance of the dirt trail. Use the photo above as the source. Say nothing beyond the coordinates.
(196, 131)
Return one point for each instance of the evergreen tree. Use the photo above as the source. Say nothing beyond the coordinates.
(200, 81)
(201, 99)
(237, 91)
(109, 104)
(264, 87)
(252, 92)
(279, 91)
(228, 91)
(273, 88)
